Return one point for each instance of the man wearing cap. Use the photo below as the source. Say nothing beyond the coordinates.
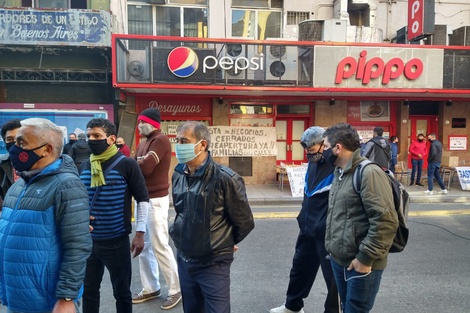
(310, 252)
(154, 157)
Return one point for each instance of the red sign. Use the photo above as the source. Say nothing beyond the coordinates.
(376, 67)
(415, 19)
(172, 108)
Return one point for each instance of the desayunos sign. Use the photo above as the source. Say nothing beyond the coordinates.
(378, 67)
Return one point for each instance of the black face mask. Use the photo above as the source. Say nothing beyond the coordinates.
(119, 145)
(8, 145)
(329, 157)
(314, 157)
(72, 141)
(98, 146)
(420, 140)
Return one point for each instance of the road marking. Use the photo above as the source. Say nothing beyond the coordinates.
(266, 215)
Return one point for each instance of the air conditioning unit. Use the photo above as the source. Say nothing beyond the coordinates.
(138, 68)
(281, 62)
(240, 53)
(334, 30)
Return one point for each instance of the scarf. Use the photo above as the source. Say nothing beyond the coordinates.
(97, 178)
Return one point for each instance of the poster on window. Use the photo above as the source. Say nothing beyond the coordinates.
(234, 141)
(375, 111)
(457, 142)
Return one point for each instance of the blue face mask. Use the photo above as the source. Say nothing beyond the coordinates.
(23, 159)
(185, 152)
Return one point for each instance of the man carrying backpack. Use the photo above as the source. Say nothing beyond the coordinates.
(360, 227)
(378, 149)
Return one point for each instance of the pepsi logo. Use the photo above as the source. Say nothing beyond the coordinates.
(183, 62)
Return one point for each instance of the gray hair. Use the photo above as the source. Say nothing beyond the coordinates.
(312, 136)
(199, 130)
(46, 132)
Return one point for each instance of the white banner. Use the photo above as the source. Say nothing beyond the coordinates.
(233, 141)
(296, 175)
(464, 177)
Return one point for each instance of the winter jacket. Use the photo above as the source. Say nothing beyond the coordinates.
(212, 211)
(154, 158)
(6, 178)
(360, 226)
(378, 150)
(435, 152)
(416, 148)
(44, 239)
(80, 152)
(312, 216)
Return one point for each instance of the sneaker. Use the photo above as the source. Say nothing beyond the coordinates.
(444, 191)
(140, 297)
(419, 184)
(171, 301)
(412, 184)
(283, 309)
(429, 192)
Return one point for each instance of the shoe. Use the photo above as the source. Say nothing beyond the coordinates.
(411, 184)
(429, 192)
(283, 309)
(171, 301)
(140, 297)
(444, 191)
(419, 184)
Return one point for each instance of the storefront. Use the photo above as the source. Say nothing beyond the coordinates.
(282, 88)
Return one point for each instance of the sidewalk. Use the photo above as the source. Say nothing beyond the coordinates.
(271, 195)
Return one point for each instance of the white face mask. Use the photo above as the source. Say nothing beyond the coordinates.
(145, 129)
(185, 152)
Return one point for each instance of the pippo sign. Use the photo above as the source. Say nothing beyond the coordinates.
(365, 70)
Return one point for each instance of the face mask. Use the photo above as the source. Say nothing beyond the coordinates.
(98, 146)
(119, 145)
(145, 129)
(8, 145)
(185, 152)
(315, 157)
(72, 141)
(420, 140)
(329, 157)
(23, 159)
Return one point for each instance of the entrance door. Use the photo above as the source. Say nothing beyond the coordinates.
(421, 124)
(289, 131)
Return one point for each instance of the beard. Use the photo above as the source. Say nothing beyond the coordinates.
(145, 129)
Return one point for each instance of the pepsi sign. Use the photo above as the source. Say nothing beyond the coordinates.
(183, 62)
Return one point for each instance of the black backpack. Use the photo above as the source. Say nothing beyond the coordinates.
(401, 200)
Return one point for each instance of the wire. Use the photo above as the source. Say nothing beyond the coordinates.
(443, 228)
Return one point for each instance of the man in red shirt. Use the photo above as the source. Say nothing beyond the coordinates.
(123, 148)
(417, 151)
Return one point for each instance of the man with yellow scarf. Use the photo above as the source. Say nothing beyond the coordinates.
(112, 180)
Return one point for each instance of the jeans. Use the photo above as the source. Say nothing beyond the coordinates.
(357, 291)
(115, 255)
(393, 163)
(310, 255)
(433, 172)
(205, 286)
(416, 166)
(148, 267)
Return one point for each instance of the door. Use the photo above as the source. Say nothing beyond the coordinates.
(421, 124)
(288, 132)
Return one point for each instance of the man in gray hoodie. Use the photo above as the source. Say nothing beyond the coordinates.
(378, 149)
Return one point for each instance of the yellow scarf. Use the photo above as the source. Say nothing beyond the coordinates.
(97, 178)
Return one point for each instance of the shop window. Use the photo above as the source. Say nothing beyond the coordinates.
(293, 109)
(52, 4)
(242, 165)
(251, 115)
(256, 24)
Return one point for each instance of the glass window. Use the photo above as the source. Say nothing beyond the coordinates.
(168, 21)
(64, 4)
(195, 22)
(251, 108)
(256, 24)
(200, 2)
(293, 109)
(251, 3)
(140, 22)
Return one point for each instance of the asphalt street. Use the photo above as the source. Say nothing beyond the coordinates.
(431, 275)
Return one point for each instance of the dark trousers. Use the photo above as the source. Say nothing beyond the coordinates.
(416, 167)
(205, 286)
(310, 254)
(115, 256)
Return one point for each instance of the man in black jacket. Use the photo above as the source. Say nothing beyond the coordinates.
(378, 149)
(212, 216)
(80, 151)
(310, 253)
(434, 164)
(7, 173)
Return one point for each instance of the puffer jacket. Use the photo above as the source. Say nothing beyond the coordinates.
(378, 150)
(362, 229)
(80, 152)
(212, 211)
(44, 239)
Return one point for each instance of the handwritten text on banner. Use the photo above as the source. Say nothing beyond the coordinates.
(236, 141)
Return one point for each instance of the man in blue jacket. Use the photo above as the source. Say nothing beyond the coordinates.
(310, 253)
(44, 235)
